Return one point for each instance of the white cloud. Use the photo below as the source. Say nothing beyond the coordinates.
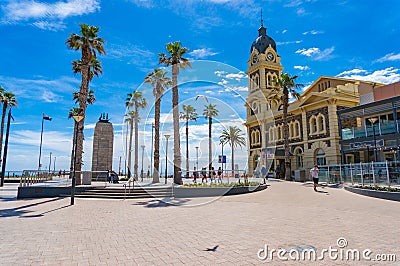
(390, 57)
(301, 12)
(308, 52)
(386, 76)
(316, 53)
(237, 76)
(301, 67)
(202, 53)
(293, 3)
(352, 72)
(312, 32)
(289, 42)
(45, 14)
(223, 82)
(220, 73)
(284, 31)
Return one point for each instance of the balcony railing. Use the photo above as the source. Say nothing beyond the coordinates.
(388, 127)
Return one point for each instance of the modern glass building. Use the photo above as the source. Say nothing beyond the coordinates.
(370, 132)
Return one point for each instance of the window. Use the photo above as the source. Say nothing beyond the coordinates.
(320, 157)
(313, 125)
(321, 123)
(280, 133)
(299, 157)
(297, 129)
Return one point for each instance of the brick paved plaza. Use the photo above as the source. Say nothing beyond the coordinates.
(226, 231)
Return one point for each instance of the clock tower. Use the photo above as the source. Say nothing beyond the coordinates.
(263, 67)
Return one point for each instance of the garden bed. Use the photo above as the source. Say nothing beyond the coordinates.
(387, 193)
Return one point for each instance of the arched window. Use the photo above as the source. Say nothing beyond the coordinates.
(313, 125)
(320, 157)
(297, 129)
(271, 134)
(299, 157)
(253, 138)
(257, 137)
(321, 123)
(291, 130)
(280, 133)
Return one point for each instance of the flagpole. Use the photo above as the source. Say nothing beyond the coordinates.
(40, 147)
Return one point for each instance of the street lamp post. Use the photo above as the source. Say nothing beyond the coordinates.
(50, 163)
(222, 157)
(166, 157)
(141, 173)
(373, 120)
(77, 119)
(197, 158)
(44, 117)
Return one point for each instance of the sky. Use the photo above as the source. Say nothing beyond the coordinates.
(353, 39)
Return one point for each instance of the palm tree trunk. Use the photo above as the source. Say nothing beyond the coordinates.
(187, 148)
(3, 115)
(285, 101)
(233, 159)
(175, 116)
(135, 166)
(130, 146)
(209, 147)
(86, 57)
(157, 110)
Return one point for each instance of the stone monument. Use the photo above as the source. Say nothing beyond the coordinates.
(103, 141)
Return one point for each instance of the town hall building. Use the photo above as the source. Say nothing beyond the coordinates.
(312, 119)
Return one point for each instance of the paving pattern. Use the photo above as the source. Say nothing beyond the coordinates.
(225, 231)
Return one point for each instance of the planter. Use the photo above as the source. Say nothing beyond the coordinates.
(375, 193)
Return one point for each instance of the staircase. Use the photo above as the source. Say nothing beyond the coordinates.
(121, 193)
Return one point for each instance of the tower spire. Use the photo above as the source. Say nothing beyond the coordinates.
(261, 20)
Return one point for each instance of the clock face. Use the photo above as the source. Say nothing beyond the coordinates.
(270, 56)
(255, 59)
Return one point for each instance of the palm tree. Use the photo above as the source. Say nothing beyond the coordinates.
(130, 118)
(89, 43)
(73, 112)
(137, 101)
(210, 112)
(90, 99)
(175, 59)
(286, 84)
(235, 138)
(160, 82)
(189, 113)
(8, 100)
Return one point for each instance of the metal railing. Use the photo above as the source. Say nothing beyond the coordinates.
(373, 173)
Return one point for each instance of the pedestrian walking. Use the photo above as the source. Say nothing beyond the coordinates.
(203, 175)
(264, 173)
(219, 175)
(314, 172)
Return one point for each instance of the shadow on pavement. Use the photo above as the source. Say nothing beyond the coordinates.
(157, 203)
(19, 211)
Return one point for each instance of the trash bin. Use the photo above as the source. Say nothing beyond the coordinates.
(300, 175)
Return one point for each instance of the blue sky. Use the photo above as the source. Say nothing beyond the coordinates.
(356, 39)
